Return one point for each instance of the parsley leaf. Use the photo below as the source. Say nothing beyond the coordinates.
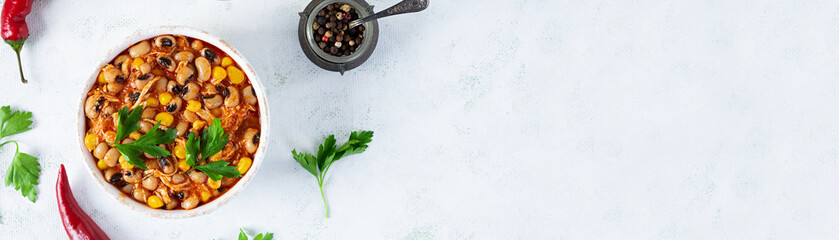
(307, 161)
(14, 122)
(218, 169)
(128, 122)
(243, 236)
(147, 144)
(192, 151)
(24, 169)
(213, 139)
(23, 173)
(328, 153)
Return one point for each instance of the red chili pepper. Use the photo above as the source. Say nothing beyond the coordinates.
(76, 222)
(13, 27)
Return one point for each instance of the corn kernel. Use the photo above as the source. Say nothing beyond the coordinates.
(226, 61)
(155, 201)
(179, 152)
(205, 196)
(198, 124)
(101, 77)
(165, 98)
(152, 102)
(102, 165)
(219, 73)
(193, 106)
(90, 141)
(135, 135)
(183, 166)
(213, 183)
(236, 76)
(244, 164)
(124, 164)
(137, 63)
(164, 118)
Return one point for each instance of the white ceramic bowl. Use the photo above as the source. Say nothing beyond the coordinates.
(87, 156)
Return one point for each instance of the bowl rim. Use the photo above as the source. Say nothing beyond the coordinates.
(264, 120)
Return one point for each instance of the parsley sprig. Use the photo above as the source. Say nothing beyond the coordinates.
(128, 123)
(267, 236)
(24, 170)
(211, 142)
(328, 153)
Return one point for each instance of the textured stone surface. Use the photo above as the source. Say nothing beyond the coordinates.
(493, 120)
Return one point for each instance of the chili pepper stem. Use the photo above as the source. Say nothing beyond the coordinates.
(17, 45)
(20, 67)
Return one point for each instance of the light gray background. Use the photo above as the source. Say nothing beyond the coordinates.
(493, 120)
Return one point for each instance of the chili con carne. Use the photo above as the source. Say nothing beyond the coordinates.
(76, 222)
(13, 26)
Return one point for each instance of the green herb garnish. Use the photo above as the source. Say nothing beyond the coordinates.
(128, 123)
(24, 170)
(218, 169)
(267, 236)
(211, 142)
(328, 154)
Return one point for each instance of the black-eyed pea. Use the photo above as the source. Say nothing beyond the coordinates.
(249, 94)
(184, 73)
(100, 150)
(213, 101)
(184, 56)
(202, 65)
(119, 60)
(128, 188)
(198, 177)
(165, 41)
(150, 183)
(210, 55)
(178, 178)
(182, 127)
(144, 68)
(107, 110)
(140, 194)
(190, 202)
(232, 97)
(142, 80)
(251, 139)
(167, 63)
(145, 126)
(139, 49)
(149, 113)
(197, 44)
(190, 91)
(160, 84)
(115, 87)
(92, 106)
(112, 157)
(190, 116)
(111, 73)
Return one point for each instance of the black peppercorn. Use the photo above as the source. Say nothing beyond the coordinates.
(331, 29)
